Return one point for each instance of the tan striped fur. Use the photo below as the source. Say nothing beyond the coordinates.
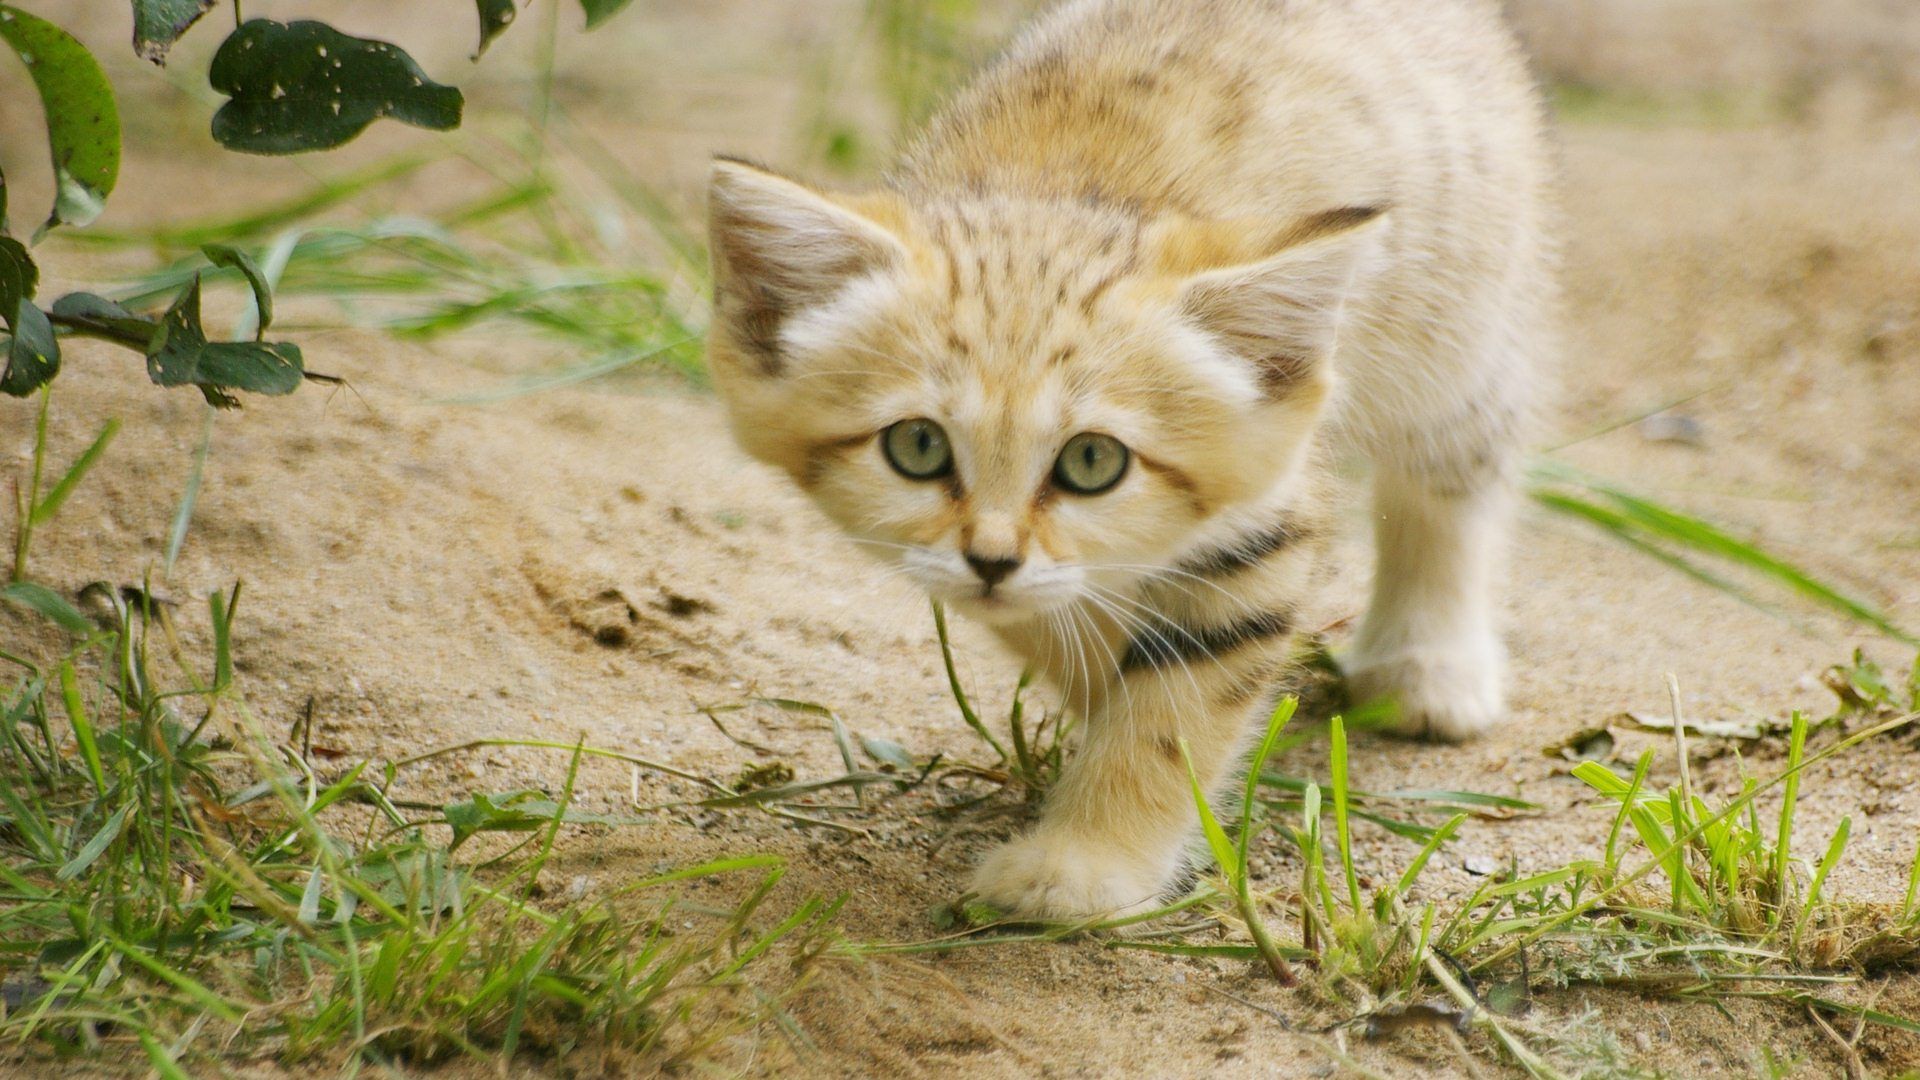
(1237, 236)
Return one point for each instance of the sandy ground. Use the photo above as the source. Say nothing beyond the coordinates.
(597, 561)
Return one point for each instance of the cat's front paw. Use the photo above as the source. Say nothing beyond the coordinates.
(1448, 694)
(1060, 877)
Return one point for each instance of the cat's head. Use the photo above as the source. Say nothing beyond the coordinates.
(1016, 402)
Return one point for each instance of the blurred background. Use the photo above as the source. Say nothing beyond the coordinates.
(568, 204)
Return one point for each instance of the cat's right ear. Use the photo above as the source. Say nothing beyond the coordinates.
(780, 247)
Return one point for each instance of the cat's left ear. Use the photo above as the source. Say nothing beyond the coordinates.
(1272, 294)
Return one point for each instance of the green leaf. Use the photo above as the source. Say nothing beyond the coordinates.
(517, 811)
(97, 846)
(181, 355)
(19, 277)
(414, 878)
(33, 353)
(305, 86)
(83, 124)
(1440, 836)
(97, 316)
(599, 11)
(495, 17)
(235, 259)
(48, 603)
(887, 752)
(1600, 778)
(157, 24)
(28, 352)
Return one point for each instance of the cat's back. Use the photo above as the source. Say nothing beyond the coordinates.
(1229, 109)
(1225, 107)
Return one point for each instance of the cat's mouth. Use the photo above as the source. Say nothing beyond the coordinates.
(996, 606)
(1028, 593)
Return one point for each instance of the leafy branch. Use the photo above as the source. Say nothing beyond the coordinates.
(290, 87)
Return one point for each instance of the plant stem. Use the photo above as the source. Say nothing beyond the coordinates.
(24, 534)
(1023, 757)
(1783, 842)
(953, 681)
(1533, 1063)
(1269, 952)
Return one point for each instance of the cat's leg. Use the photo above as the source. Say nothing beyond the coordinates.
(1114, 829)
(1429, 644)
(1443, 496)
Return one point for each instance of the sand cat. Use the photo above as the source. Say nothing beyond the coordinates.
(1076, 363)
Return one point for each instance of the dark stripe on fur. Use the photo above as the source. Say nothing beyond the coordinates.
(1164, 643)
(1243, 551)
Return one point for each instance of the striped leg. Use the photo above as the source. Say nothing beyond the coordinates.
(1196, 657)
(1115, 828)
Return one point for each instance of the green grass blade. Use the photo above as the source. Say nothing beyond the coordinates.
(1341, 825)
(222, 608)
(1651, 519)
(1913, 886)
(1450, 798)
(179, 980)
(1276, 723)
(88, 855)
(1224, 852)
(1622, 529)
(1419, 863)
(189, 495)
(1783, 841)
(322, 196)
(161, 1058)
(57, 496)
(1841, 1008)
(82, 726)
(48, 603)
(1835, 848)
(1234, 868)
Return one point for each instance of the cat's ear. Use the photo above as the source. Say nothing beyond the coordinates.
(1272, 293)
(780, 247)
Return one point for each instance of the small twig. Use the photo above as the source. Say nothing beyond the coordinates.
(1533, 1063)
(542, 744)
(1856, 1069)
(1274, 1014)
(1333, 1051)
(758, 748)
(1686, 769)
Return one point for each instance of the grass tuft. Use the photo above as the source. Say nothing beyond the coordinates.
(175, 882)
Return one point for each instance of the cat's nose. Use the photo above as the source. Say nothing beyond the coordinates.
(992, 571)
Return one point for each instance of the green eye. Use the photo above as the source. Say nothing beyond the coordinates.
(918, 449)
(1091, 463)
